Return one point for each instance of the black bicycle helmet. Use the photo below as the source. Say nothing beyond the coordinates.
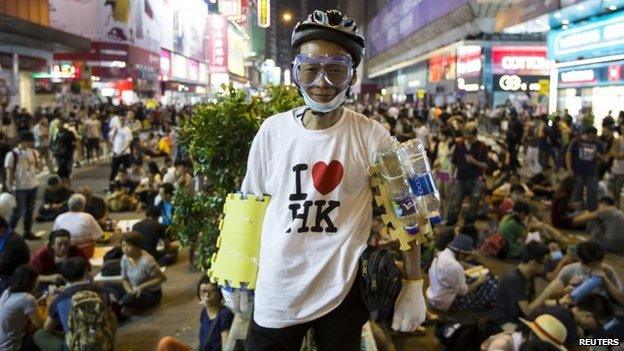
(332, 26)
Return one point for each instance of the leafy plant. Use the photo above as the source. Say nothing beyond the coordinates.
(218, 138)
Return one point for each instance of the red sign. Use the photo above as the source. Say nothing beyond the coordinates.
(469, 61)
(615, 73)
(24, 63)
(218, 44)
(520, 60)
(441, 68)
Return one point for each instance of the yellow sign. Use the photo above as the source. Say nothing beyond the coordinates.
(544, 87)
(264, 13)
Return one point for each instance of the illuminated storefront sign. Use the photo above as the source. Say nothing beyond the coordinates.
(520, 60)
(62, 71)
(442, 68)
(179, 67)
(230, 8)
(469, 61)
(578, 76)
(264, 13)
(512, 83)
(237, 47)
(165, 64)
(218, 44)
(599, 37)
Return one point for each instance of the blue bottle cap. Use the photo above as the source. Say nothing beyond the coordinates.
(413, 230)
(435, 220)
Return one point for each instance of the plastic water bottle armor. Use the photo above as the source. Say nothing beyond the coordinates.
(414, 159)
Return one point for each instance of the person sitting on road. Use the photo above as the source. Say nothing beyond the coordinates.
(591, 257)
(517, 287)
(84, 229)
(142, 277)
(514, 228)
(121, 197)
(148, 187)
(516, 193)
(54, 200)
(153, 232)
(13, 252)
(74, 271)
(95, 206)
(49, 258)
(546, 330)
(449, 288)
(165, 202)
(18, 311)
(215, 321)
(136, 172)
(604, 225)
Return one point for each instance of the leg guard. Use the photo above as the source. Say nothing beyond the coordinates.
(235, 264)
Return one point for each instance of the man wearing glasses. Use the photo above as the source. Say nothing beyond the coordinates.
(313, 162)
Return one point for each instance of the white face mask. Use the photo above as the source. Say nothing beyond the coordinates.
(325, 107)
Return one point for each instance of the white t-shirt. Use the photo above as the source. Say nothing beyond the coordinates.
(121, 140)
(446, 280)
(308, 265)
(15, 310)
(25, 176)
(84, 229)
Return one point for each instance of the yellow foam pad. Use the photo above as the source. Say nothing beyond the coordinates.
(235, 264)
(397, 229)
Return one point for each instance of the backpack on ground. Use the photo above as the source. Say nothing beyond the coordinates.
(89, 324)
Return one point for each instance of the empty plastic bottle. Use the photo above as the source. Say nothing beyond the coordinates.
(400, 192)
(414, 158)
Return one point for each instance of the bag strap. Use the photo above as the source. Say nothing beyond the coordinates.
(213, 326)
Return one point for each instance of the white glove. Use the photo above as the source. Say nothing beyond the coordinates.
(239, 301)
(410, 309)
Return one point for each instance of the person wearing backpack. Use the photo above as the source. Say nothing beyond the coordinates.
(22, 164)
(81, 312)
(62, 148)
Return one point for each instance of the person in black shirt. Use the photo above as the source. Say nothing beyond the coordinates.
(152, 232)
(5, 148)
(13, 252)
(95, 205)
(516, 288)
(54, 200)
(62, 148)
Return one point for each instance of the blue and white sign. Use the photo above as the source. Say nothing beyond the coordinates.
(601, 37)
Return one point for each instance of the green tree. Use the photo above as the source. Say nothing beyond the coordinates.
(218, 138)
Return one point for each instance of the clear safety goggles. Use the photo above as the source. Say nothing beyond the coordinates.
(337, 71)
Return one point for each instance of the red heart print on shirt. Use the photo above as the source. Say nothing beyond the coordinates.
(327, 177)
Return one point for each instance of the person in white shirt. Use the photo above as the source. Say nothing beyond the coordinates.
(313, 162)
(21, 166)
(93, 128)
(41, 130)
(84, 229)
(448, 286)
(121, 138)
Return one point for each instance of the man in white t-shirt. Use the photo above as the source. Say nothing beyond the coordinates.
(21, 166)
(121, 138)
(83, 227)
(313, 162)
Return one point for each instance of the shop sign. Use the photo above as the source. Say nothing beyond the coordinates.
(237, 48)
(230, 8)
(615, 73)
(578, 76)
(600, 37)
(165, 64)
(462, 84)
(179, 67)
(264, 13)
(469, 61)
(193, 70)
(544, 87)
(515, 83)
(442, 68)
(520, 60)
(218, 44)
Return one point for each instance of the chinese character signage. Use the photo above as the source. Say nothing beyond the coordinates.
(218, 44)
(230, 8)
(264, 13)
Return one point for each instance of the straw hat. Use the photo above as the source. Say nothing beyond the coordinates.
(549, 329)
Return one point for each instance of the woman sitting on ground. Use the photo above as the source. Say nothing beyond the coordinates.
(18, 309)
(142, 277)
(215, 321)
